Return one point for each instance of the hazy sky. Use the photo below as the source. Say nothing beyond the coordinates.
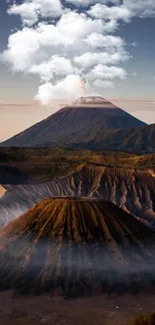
(52, 51)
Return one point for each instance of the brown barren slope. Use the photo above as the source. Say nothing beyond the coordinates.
(133, 189)
(76, 246)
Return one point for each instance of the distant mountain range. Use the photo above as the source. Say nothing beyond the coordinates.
(90, 122)
(76, 247)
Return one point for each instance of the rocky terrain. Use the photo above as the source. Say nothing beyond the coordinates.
(76, 247)
(131, 189)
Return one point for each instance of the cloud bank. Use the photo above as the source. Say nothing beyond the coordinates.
(64, 43)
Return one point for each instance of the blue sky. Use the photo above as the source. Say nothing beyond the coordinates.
(120, 68)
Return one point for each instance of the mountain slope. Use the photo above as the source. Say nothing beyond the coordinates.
(139, 140)
(81, 119)
(132, 189)
(79, 246)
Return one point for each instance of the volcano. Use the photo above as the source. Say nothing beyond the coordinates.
(82, 118)
(76, 246)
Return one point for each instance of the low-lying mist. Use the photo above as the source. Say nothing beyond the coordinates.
(43, 265)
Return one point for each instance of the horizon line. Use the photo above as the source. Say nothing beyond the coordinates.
(65, 102)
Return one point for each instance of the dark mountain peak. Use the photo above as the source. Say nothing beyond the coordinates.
(71, 123)
(77, 245)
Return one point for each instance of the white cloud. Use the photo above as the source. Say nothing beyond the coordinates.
(104, 72)
(99, 83)
(96, 40)
(32, 47)
(56, 67)
(54, 51)
(71, 87)
(35, 46)
(22, 46)
(106, 12)
(141, 8)
(89, 59)
(111, 26)
(49, 8)
(61, 46)
(75, 26)
(30, 10)
(27, 11)
(86, 3)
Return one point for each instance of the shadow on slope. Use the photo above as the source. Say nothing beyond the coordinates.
(76, 247)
